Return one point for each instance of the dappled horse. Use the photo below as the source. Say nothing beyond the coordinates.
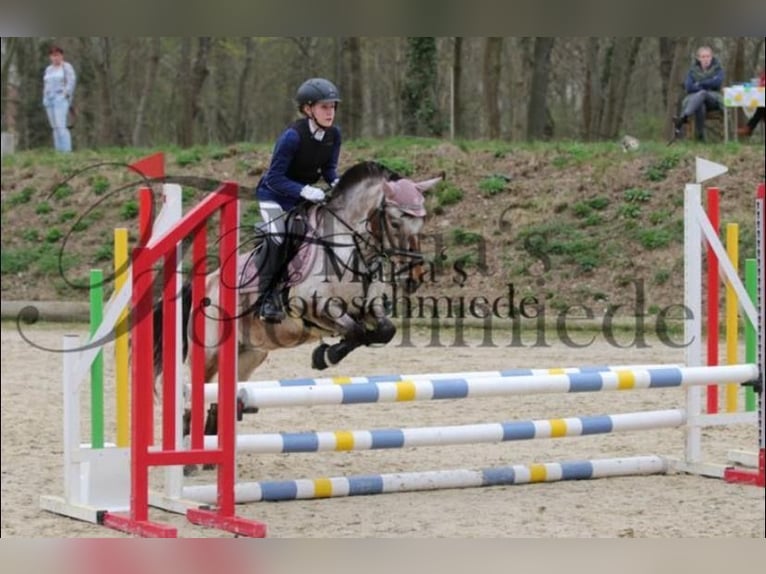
(350, 251)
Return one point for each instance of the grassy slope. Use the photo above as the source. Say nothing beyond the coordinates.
(568, 223)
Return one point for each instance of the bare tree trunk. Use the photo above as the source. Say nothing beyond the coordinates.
(147, 90)
(196, 75)
(8, 88)
(623, 62)
(457, 81)
(354, 106)
(100, 55)
(522, 63)
(737, 73)
(592, 95)
(667, 49)
(538, 91)
(756, 62)
(491, 72)
(306, 48)
(675, 81)
(243, 94)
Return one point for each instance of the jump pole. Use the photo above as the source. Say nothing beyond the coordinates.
(593, 381)
(367, 484)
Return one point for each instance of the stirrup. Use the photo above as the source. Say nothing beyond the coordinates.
(271, 309)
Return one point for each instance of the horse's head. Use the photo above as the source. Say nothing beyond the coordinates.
(401, 221)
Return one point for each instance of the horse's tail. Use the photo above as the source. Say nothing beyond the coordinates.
(186, 294)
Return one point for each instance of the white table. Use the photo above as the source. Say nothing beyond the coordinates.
(743, 96)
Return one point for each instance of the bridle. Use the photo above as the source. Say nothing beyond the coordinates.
(376, 245)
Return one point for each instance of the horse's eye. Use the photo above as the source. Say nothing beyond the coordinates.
(395, 224)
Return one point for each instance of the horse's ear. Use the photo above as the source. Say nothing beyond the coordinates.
(423, 186)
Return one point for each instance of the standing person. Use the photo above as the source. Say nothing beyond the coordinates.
(59, 82)
(703, 92)
(305, 151)
(749, 127)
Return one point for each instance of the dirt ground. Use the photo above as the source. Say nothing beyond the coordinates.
(667, 506)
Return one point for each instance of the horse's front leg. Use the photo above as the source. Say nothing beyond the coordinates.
(352, 336)
(380, 331)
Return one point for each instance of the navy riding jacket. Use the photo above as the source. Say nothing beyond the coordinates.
(299, 159)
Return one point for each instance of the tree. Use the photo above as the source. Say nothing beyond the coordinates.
(147, 90)
(456, 99)
(667, 47)
(675, 81)
(492, 52)
(353, 102)
(192, 80)
(537, 112)
(418, 95)
(621, 68)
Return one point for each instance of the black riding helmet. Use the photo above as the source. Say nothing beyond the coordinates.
(316, 90)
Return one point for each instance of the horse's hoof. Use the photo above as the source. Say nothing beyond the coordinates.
(317, 357)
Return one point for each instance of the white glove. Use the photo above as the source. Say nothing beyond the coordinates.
(335, 182)
(312, 193)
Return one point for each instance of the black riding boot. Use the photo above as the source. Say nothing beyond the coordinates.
(271, 266)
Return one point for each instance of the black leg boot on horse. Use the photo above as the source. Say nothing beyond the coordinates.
(271, 263)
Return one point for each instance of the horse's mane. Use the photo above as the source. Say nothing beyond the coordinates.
(360, 172)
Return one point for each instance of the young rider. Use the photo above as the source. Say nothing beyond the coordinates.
(306, 151)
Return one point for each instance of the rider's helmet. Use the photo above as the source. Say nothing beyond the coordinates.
(316, 90)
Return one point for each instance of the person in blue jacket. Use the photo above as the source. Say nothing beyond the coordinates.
(703, 87)
(306, 151)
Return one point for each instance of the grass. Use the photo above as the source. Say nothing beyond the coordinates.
(571, 212)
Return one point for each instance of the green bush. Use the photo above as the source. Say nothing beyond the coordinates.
(67, 215)
(400, 165)
(629, 211)
(661, 277)
(637, 195)
(462, 237)
(188, 157)
(493, 185)
(129, 210)
(16, 260)
(597, 203)
(592, 220)
(62, 192)
(24, 196)
(448, 194)
(32, 235)
(99, 184)
(654, 238)
(105, 252)
(54, 234)
(581, 209)
(43, 207)
(659, 170)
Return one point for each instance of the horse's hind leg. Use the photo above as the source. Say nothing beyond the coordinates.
(247, 361)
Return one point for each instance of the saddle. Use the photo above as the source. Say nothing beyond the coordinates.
(300, 249)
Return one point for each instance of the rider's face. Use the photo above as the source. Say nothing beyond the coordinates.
(324, 113)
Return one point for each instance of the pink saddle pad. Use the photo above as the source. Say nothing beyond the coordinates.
(300, 265)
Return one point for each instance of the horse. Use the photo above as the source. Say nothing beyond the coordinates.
(364, 239)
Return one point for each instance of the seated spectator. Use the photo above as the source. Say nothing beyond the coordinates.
(703, 92)
(747, 129)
